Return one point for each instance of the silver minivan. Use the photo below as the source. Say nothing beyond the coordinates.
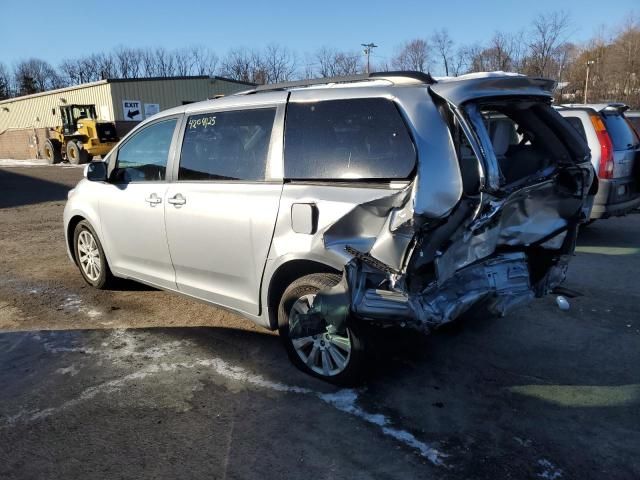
(326, 208)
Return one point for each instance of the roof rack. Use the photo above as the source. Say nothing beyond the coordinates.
(420, 76)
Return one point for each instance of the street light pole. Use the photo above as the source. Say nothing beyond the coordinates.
(367, 51)
(586, 81)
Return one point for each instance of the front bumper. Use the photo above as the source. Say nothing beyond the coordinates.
(615, 197)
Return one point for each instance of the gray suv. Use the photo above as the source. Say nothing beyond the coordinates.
(615, 154)
(325, 208)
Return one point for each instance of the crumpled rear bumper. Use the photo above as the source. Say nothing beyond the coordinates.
(499, 253)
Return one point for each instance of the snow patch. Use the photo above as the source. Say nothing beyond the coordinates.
(122, 345)
(70, 370)
(12, 162)
(549, 470)
(33, 162)
(73, 303)
(345, 400)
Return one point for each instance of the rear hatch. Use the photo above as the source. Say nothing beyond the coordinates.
(527, 184)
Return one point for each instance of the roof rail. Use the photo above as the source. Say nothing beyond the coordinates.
(420, 76)
(415, 75)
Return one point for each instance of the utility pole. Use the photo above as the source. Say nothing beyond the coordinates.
(367, 51)
(586, 81)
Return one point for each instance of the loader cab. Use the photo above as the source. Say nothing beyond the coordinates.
(72, 113)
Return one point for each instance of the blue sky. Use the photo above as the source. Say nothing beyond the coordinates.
(302, 26)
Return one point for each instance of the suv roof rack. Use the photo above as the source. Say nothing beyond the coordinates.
(422, 77)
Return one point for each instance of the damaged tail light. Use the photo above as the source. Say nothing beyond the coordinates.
(606, 147)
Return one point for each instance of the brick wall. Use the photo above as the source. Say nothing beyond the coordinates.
(23, 144)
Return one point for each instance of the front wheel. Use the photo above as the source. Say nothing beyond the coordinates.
(90, 257)
(76, 154)
(333, 356)
(52, 151)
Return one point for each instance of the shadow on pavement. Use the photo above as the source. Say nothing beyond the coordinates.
(17, 190)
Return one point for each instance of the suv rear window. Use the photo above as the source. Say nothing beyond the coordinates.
(363, 138)
(622, 135)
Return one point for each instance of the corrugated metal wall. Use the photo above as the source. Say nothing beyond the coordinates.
(21, 118)
(169, 93)
(35, 111)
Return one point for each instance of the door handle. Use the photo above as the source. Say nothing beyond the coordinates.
(153, 199)
(177, 200)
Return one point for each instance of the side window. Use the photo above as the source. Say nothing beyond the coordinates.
(363, 138)
(144, 156)
(227, 145)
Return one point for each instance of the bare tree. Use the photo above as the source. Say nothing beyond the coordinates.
(182, 62)
(245, 65)
(460, 61)
(35, 75)
(204, 61)
(128, 62)
(548, 33)
(443, 45)
(413, 55)
(164, 62)
(5, 82)
(279, 63)
(347, 63)
(625, 62)
(331, 62)
(325, 58)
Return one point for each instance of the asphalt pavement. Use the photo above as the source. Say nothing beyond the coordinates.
(140, 383)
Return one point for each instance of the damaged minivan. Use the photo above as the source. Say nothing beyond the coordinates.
(320, 208)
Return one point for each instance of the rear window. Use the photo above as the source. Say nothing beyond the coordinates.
(347, 139)
(622, 135)
(577, 124)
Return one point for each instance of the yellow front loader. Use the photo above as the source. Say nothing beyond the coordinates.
(81, 137)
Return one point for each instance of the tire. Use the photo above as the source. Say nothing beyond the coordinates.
(52, 151)
(330, 349)
(94, 270)
(76, 155)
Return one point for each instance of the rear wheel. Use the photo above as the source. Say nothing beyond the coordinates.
(52, 151)
(90, 257)
(333, 356)
(76, 155)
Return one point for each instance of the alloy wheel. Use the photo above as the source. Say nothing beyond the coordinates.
(327, 353)
(89, 255)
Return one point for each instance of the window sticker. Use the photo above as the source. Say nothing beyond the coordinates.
(202, 122)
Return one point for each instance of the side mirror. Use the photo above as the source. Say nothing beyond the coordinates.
(96, 172)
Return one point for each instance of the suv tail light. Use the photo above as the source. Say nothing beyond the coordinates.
(606, 147)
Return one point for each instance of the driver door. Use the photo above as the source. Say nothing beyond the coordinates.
(132, 207)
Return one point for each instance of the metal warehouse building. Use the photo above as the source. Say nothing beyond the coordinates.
(25, 121)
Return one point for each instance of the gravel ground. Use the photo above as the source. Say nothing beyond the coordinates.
(139, 383)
